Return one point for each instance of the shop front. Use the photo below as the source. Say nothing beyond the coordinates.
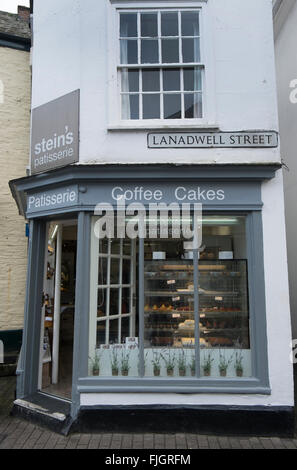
(147, 297)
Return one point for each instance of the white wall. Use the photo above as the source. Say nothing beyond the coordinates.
(74, 49)
(286, 66)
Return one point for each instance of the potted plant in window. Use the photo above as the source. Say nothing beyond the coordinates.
(182, 363)
(193, 365)
(224, 364)
(125, 367)
(95, 361)
(156, 361)
(114, 363)
(238, 364)
(206, 365)
(169, 360)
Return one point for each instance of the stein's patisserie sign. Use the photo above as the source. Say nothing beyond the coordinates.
(55, 134)
(265, 139)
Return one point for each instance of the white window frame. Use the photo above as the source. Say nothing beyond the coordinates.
(207, 59)
(94, 319)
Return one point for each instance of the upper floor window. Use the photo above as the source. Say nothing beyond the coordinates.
(160, 65)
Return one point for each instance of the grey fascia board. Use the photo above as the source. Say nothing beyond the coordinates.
(19, 197)
(89, 173)
(77, 173)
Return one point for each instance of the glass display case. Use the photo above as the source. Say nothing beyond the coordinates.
(223, 303)
(169, 304)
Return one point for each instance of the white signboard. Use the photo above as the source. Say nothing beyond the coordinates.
(265, 139)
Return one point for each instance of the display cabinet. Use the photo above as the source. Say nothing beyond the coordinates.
(169, 304)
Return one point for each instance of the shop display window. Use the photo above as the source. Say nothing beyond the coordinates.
(165, 321)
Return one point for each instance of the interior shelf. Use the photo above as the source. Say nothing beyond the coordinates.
(223, 307)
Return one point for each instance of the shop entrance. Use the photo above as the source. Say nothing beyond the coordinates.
(55, 375)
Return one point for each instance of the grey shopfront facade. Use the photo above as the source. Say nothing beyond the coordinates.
(73, 193)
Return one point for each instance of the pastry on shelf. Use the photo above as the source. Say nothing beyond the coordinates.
(188, 341)
(220, 341)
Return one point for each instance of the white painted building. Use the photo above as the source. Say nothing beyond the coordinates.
(158, 102)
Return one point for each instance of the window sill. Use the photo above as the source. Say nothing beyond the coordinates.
(168, 385)
(163, 127)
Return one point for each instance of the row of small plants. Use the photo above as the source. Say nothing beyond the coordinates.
(170, 360)
(117, 363)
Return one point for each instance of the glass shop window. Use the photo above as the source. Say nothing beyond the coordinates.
(191, 326)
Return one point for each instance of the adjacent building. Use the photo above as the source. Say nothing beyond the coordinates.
(285, 19)
(15, 102)
(157, 283)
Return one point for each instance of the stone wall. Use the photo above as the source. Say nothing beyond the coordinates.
(15, 95)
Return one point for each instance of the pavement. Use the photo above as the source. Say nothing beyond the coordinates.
(16, 433)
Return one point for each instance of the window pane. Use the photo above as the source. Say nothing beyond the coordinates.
(126, 275)
(129, 51)
(193, 105)
(115, 247)
(170, 51)
(113, 331)
(114, 302)
(171, 80)
(169, 323)
(128, 25)
(125, 333)
(126, 247)
(103, 245)
(149, 25)
(192, 79)
(149, 51)
(101, 333)
(130, 106)
(169, 24)
(191, 50)
(114, 271)
(102, 271)
(223, 306)
(126, 300)
(151, 106)
(172, 106)
(101, 305)
(130, 80)
(151, 80)
(190, 23)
